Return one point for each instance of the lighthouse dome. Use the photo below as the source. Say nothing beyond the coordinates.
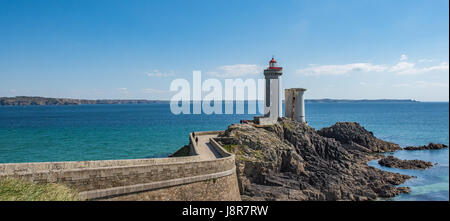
(272, 63)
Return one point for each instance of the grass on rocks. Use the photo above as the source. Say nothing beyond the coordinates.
(19, 190)
(244, 153)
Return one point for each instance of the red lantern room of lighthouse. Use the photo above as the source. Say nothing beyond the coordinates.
(273, 65)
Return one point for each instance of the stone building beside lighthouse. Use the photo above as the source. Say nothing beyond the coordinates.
(272, 99)
(294, 107)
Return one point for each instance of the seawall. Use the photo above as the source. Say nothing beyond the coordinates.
(173, 178)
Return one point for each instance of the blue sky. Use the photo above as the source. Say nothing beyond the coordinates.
(134, 49)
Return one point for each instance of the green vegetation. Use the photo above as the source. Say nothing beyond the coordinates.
(251, 155)
(287, 125)
(244, 153)
(230, 148)
(20, 190)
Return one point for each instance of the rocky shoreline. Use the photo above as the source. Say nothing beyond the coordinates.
(391, 161)
(292, 161)
(430, 146)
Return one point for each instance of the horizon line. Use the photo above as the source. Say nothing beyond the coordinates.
(168, 100)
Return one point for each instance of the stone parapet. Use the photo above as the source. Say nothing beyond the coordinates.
(109, 179)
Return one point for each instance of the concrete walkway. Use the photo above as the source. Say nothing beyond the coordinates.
(205, 149)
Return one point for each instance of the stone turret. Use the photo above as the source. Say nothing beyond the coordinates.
(295, 104)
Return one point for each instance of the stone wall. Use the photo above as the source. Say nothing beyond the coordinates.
(216, 189)
(109, 179)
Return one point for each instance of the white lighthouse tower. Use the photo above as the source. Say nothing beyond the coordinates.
(272, 99)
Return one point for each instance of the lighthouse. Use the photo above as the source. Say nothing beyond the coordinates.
(272, 98)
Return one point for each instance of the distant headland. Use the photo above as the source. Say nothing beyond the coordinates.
(30, 100)
(327, 100)
(35, 100)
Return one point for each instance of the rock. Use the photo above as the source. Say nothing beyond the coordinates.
(391, 161)
(430, 146)
(348, 132)
(292, 161)
(387, 192)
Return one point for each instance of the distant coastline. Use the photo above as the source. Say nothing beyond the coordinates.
(34, 101)
(37, 101)
(327, 100)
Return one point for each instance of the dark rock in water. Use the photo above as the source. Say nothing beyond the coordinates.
(348, 132)
(292, 161)
(391, 161)
(430, 146)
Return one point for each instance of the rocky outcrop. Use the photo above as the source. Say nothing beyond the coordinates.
(430, 146)
(352, 132)
(391, 161)
(292, 161)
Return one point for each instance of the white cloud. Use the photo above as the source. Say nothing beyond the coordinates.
(341, 69)
(441, 67)
(422, 84)
(236, 70)
(403, 67)
(406, 68)
(157, 73)
(403, 57)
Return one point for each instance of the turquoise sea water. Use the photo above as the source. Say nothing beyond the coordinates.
(100, 132)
